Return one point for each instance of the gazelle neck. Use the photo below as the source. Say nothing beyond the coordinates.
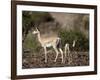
(39, 37)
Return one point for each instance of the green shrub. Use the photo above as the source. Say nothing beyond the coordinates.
(82, 43)
(31, 43)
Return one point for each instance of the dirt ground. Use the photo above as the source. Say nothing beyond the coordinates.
(37, 60)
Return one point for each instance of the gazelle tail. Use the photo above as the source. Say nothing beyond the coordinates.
(58, 42)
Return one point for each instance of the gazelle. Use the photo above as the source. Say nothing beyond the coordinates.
(67, 50)
(45, 42)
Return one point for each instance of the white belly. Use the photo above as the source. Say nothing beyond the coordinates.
(48, 45)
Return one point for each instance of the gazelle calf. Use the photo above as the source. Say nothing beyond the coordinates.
(45, 42)
(67, 51)
(66, 48)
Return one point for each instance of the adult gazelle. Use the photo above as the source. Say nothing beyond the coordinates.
(50, 41)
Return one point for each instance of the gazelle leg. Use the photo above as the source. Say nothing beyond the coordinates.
(56, 53)
(68, 51)
(61, 54)
(69, 56)
(45, 54)
(65, 52)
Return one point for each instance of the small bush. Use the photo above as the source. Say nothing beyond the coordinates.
(82, 43)
(31, 43)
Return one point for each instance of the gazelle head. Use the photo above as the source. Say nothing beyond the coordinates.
(35, 31)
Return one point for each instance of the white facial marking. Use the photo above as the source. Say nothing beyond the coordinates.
(34, 32)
